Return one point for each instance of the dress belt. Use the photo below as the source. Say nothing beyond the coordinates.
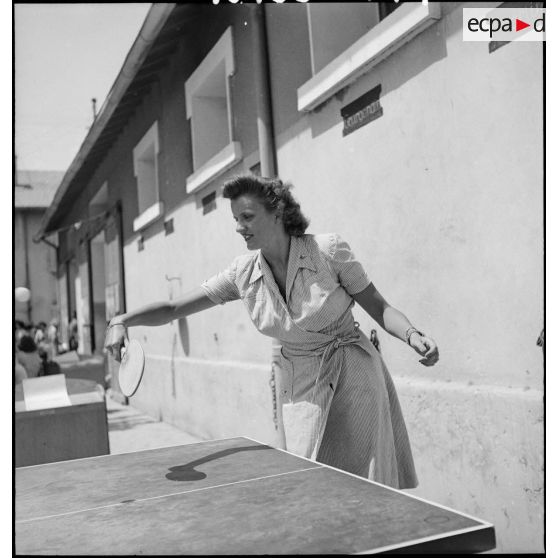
(331, 351)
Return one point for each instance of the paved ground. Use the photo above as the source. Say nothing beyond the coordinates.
(130, 430)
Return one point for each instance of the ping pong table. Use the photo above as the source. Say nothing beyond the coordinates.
(233, 496)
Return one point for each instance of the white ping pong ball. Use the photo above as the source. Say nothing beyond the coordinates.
(22, 294)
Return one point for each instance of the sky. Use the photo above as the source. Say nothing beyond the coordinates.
(65, 55)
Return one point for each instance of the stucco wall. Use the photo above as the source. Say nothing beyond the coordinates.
(478, 449)
(210, 399)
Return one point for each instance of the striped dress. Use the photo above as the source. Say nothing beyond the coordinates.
(338, 402)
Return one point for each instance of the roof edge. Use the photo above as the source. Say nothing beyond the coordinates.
(154, 22)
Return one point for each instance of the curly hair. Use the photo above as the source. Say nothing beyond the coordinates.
(274, 194)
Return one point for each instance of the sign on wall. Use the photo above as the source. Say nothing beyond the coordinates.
(361, 111)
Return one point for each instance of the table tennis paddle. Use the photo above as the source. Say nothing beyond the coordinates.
(131, 367)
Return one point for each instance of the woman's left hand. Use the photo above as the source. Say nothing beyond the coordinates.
(426, 347)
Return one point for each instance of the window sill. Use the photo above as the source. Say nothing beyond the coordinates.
(376, 45)
(150, 215)
(224, 160)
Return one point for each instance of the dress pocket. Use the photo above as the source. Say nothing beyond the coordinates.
(302, 423)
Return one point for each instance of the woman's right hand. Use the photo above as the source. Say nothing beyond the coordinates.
(116, 337)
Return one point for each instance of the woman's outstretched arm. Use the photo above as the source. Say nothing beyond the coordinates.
(154, 314)
(159, 313)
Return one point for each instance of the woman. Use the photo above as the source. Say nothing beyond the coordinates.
(338, 400)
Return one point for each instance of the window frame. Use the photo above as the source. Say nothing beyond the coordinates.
(383, 39)
(223, 159)
(149, 214)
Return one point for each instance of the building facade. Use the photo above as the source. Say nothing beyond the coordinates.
(396, 134)
(34, 263)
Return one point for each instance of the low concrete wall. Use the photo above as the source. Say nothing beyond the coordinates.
(209, 399)
(478, 448)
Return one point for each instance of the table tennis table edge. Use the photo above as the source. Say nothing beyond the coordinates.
(423, 540)
(447, 508)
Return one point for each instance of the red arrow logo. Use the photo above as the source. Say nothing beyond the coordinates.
(519, 25)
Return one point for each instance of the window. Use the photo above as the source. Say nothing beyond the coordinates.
(328, 37)
(146, 171)
(208, 107)
(346, 40)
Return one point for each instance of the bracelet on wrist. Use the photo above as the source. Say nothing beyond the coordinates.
(410, 332)
(117, 324)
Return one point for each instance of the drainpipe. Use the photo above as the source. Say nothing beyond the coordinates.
(266, 146)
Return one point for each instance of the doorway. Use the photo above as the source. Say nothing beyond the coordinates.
(98, 286)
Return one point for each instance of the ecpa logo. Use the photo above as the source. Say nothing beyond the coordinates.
(504, 24)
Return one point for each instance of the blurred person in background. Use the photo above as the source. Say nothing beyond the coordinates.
(52, 338)
(48, 366)
(40, 334)
(73, 342)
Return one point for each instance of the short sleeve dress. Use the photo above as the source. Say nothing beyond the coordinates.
(338, 400)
